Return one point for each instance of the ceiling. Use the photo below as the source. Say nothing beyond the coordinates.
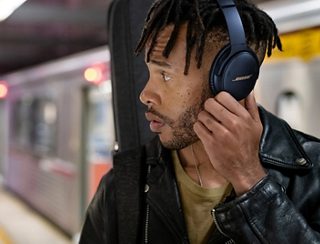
(43, 30)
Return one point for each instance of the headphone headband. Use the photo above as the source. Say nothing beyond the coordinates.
(235, 68)
(234, 23)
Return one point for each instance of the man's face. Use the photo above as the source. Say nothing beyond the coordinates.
(174, 99)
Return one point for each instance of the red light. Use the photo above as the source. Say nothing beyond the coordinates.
(95, 74)
(3, 89)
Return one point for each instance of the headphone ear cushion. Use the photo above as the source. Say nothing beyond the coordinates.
(215, 82)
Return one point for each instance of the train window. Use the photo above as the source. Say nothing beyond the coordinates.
(21, 127)
(101, 130)
(44, 125)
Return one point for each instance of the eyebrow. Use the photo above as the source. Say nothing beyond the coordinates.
(161, 63)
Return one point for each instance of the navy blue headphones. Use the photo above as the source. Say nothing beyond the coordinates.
(235, 69)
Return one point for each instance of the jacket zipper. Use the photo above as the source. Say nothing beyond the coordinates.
(147, 216)
(146, 227)
(213, 211)
(230, 242)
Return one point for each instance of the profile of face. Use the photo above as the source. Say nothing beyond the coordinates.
(173, 98)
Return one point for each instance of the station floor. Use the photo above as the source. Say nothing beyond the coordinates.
(19, 224)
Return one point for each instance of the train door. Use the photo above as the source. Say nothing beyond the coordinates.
(3, 138)
(98, 136)
(3, 128)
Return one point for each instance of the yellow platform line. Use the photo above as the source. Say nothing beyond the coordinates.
(4, 238)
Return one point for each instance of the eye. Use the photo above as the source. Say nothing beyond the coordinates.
(165, 76)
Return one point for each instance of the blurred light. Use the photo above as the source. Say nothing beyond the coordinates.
(7, 7)
(95, 74)
(3, 89)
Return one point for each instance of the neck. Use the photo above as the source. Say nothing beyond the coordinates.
(186, 157)
(209, 176)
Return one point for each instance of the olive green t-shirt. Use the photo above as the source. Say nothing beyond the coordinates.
(197, 203)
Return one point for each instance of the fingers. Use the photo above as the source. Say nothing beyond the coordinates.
(213, 126)
(230, 103)
(217, 112)
(223, 113)
(202, 131)
(225, 110)
(251, 106)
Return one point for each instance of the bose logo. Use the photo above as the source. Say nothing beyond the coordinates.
(240, 78)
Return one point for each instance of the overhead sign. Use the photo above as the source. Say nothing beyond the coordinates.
(304, 44)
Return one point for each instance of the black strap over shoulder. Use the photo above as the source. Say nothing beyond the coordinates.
(129, 179)
(129, 72)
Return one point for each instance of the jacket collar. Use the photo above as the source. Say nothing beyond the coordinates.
(279, 145)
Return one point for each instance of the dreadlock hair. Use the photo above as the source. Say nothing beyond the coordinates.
(203, 17)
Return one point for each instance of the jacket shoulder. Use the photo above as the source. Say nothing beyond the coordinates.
(149, 150)
(311, 146)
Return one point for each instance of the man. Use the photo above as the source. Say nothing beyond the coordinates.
(219, 170)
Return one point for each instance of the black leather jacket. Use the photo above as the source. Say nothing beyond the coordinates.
(138, 201)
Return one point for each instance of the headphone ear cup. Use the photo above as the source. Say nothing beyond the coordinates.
(215, 81)
(235, 73)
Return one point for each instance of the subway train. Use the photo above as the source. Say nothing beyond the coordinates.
(59, 126)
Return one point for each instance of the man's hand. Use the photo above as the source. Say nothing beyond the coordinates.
(231, 136)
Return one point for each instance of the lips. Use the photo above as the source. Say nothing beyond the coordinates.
(155, 122)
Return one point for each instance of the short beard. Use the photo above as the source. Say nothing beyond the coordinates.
(183, 134)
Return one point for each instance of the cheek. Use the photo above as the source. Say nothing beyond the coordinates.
(184, 98)
(184, 101)
(187, 92)
(178, 103)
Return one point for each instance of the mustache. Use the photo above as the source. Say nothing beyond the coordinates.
(165, 119)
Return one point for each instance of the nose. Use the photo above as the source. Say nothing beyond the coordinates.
(150, 96)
